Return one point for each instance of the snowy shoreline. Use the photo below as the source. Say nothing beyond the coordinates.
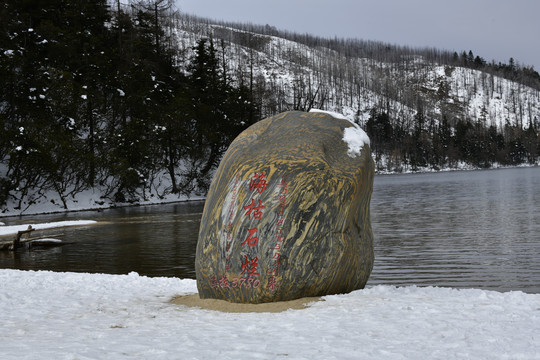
(88, 201)
(46, 209)
(13, 229)
(48, 315)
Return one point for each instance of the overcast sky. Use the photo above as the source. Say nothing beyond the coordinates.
(493, 29)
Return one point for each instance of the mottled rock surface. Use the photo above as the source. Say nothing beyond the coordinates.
(287, 214)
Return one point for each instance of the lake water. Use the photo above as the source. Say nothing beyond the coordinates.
(463, 229)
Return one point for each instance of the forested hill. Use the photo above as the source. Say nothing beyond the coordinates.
(423, 108)
(139, 102)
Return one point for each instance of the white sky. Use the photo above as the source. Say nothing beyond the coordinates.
(493, 29)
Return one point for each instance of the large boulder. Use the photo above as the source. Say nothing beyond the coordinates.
(287, 213)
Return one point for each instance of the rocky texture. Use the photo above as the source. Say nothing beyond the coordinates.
(287, 214)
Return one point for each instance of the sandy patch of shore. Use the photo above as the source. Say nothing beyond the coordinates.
(193, 300)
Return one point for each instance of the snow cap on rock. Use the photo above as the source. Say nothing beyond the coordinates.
(354, 136)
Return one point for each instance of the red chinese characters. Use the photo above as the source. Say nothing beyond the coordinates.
(249, 266)
(226, 283)
(272, 284)
(228, 227)
(258, 182)
(223, 282)
(251, 239)
(273, 270)
(256, 211)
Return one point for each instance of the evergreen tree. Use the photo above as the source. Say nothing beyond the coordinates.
(219, 112)
(380, 130)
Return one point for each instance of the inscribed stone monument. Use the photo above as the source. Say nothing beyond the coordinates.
(287, 213)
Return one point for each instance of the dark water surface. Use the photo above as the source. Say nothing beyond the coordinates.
(462, 229)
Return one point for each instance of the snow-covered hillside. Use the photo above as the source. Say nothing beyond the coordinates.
(294, 75)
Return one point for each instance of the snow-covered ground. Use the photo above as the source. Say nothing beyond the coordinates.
(48, 315)
(12, 230)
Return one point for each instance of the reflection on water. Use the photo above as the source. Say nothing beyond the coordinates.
(460, 229)
(157, 240)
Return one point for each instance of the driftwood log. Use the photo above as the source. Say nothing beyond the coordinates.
(19, 241)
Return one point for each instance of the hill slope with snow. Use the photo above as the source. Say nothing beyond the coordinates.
(294, 75)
